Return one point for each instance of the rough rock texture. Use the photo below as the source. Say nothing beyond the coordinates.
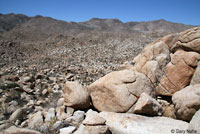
(152, 59)
(189, 40)
(17, 115)
(76, 96)
(170, 61)
(15, 130)
(77, 118)
(50, 115)
(195, 123)
(178, 72)
(36, 120)
(187, 102)
(118, 91)
(93, 118)
(63, 112)
(169, 111)
(147, 105)
(99, 129)
(196, 76)
(123, 123)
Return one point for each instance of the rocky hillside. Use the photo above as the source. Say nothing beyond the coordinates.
(88, 49)
(156, 92)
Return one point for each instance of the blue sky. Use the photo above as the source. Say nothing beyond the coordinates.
(182, 11)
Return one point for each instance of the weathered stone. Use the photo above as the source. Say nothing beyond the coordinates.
(44, 92)
(188, 40)
(194, 126)
(60, 102)
(15, 130)
(36, 120)
(77, 118)
(76, 96)
(51, 114)
(9, 84)
(123, 123)
(187, 102)
(178, 72)
(147, 105)
(152, 59)
(17, 115)
(67, 130)
(118, 91)
(93, 118)
(99, 129)
(63, 113)
(169, 111)
(4, 125)
(196, 76)
(28, 79)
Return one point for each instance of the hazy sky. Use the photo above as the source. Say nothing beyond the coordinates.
(182, 11)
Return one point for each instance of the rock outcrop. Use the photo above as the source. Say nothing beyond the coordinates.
(119, 90)
(170, 62)
(178, 72)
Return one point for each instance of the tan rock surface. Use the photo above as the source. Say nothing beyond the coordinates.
(152, 59)
(189, 40)
(118, 91)
(196, 76)
(93, 118)
(76, 96)
(178, 72)
(187, 102)
(147, 105)
(36, 120)
(123, 123)
(15, 130)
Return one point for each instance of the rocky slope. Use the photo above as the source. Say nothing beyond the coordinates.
(156, 92)
(88, 49)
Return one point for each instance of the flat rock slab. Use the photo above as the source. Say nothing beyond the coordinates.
(123, 123)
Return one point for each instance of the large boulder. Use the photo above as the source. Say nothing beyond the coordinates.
(76, 96)
(187, 102)
(178, 72)
(194, 126)
(119, 90)
(123, 123)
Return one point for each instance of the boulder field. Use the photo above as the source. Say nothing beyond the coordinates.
(158, 92)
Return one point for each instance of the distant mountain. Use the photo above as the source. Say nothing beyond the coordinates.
(14, 27)
(9, 21)
(160, 26)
